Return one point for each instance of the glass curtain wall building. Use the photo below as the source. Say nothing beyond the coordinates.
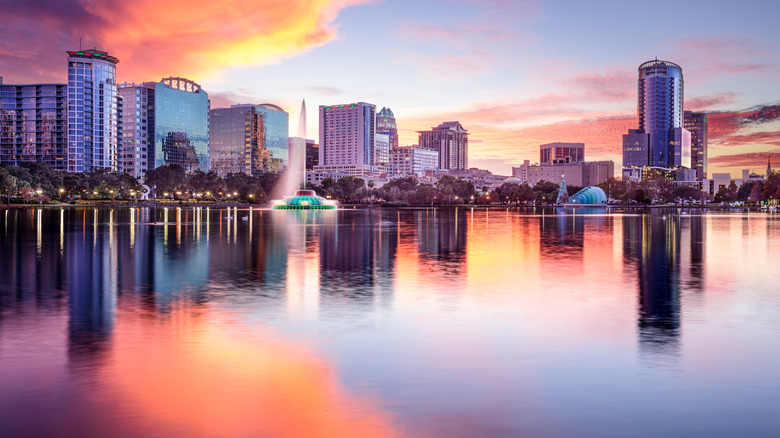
(34, 124)
(93, 136)
(276, 127)
(660, 142)
(181, 124)
(249, 138)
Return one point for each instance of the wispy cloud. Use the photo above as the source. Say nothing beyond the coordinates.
(464, 47)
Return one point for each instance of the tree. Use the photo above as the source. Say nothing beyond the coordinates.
(772, 187)
(8, 184)
(615, 188)
(546, 191)
(166, 178)
(687, 193)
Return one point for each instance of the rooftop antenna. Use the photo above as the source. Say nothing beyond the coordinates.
(80, 36)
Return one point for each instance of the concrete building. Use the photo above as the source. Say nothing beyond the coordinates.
(348, 135)
(93, 119)
(34, 124)
(451, 140)
(561, 153)
(696, 124)
(136, 153)
(412, 160)
(246, 138)
(385, 124)
(661, 143)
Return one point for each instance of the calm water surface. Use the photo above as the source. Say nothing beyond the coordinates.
(419, 323)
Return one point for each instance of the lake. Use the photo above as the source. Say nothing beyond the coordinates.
(447, 322)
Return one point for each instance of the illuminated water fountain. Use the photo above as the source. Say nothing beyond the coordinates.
(295, 177)
(304, 200)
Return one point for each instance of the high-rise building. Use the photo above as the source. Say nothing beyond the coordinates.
(696, 124)
(451, 140)
(34, 124)
(93, 120)
(181, 124)
(347, 135)
(136, 156)
(246, 138)
(385, 124)
(382, 150)
(660, 143)
(561, 153)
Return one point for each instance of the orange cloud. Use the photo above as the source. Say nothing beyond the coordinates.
(153, 38)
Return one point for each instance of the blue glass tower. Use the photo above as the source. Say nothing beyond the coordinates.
(93, 138)
(660, 141)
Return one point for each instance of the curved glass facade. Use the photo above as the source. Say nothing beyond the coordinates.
(181, 119)
(276, 137)
(660, 111)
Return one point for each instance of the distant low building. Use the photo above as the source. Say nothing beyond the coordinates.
(483, 180)
(589, 173)
(412, 160)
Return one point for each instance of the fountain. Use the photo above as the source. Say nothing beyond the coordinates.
(294, 180)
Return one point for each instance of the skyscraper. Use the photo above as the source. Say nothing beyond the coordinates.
(93, 139)
(385, 124)
(248, 138)
(34, 124)
(660, 143)
(696, 124)
(451, 140)
(347, 134)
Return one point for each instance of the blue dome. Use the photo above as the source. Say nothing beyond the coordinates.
(589, 196)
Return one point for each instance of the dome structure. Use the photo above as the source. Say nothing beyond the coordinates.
(513, 180)
(589, 196)
(305, 200)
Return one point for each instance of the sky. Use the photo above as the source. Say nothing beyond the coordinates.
(515, 74)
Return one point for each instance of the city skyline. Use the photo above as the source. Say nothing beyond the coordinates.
(517, 75)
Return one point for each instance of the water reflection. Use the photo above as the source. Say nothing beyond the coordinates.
(666, 253)
(252, 322)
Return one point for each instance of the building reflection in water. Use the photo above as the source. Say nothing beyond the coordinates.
(666, 253)
(357, 256)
